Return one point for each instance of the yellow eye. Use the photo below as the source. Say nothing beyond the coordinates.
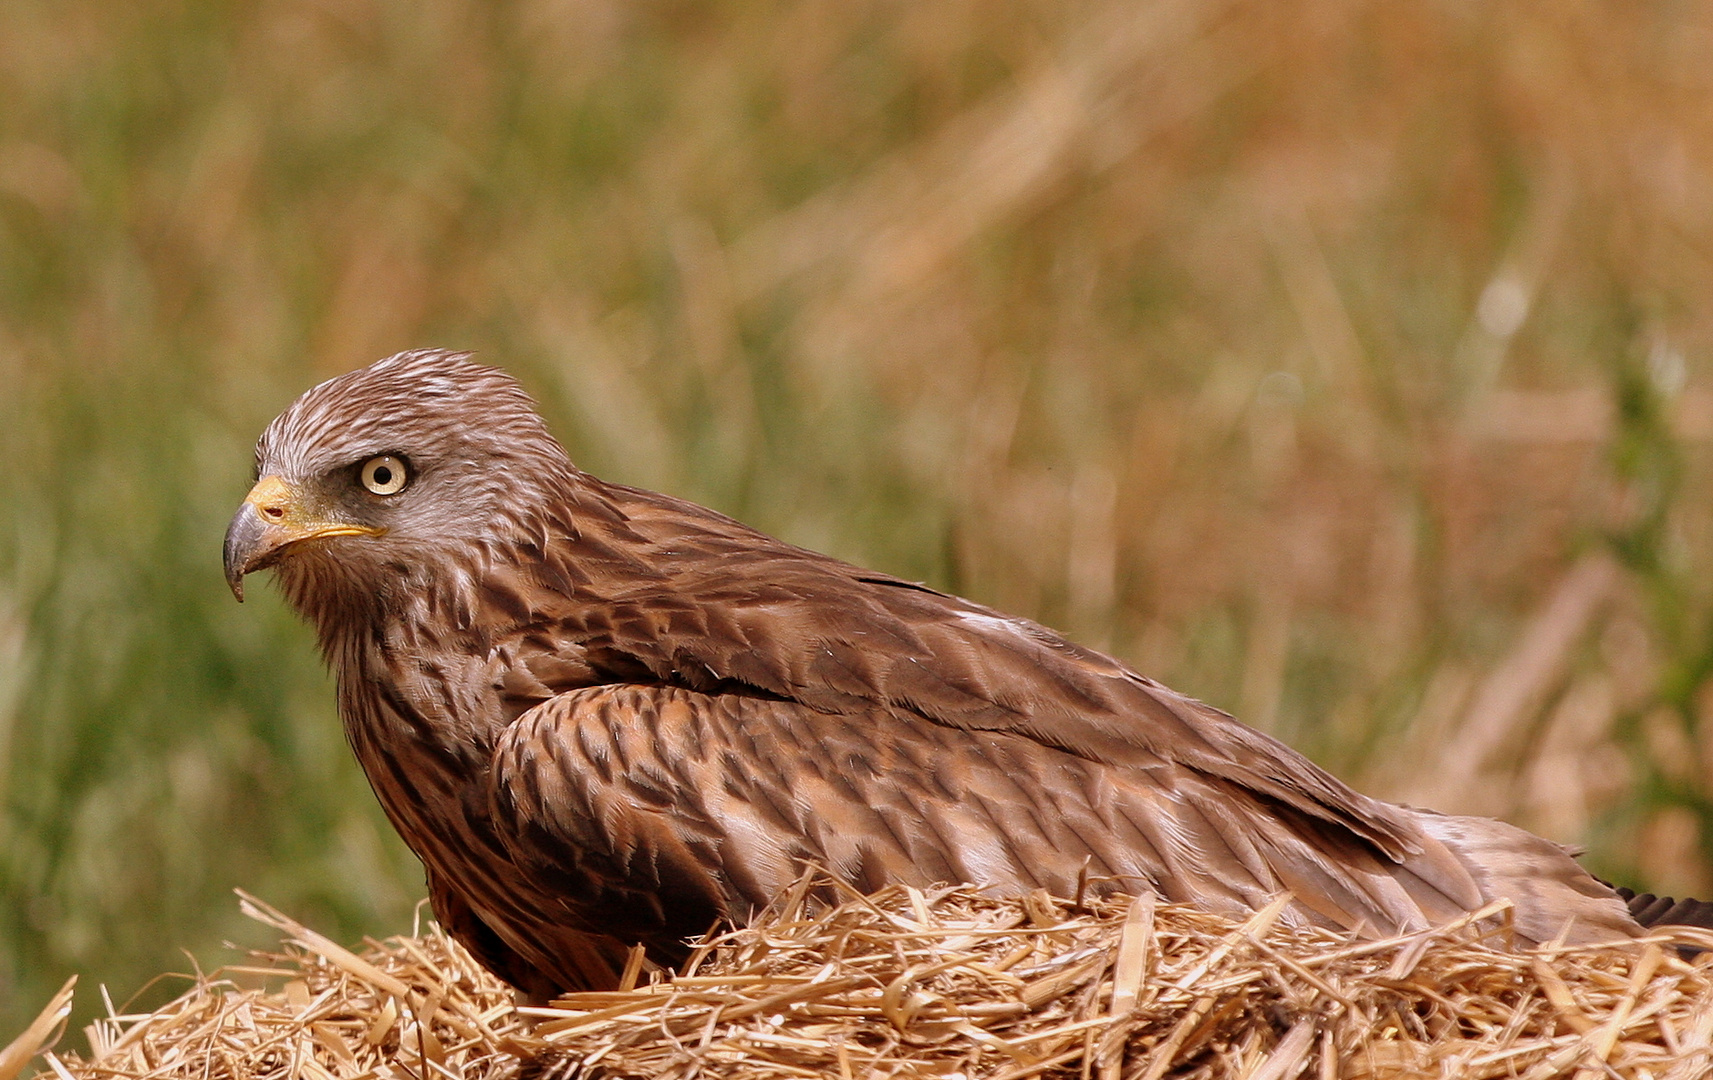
(384, 475)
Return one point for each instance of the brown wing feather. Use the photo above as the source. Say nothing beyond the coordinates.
(728, 604)
(663, 809)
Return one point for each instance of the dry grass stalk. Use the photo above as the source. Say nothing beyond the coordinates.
(947, 984)
(42, 1032)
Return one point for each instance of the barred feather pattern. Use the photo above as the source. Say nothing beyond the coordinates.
(603, 716)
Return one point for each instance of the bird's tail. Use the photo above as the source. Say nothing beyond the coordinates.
(1652, 911)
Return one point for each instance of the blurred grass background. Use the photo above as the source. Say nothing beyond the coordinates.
(1348, 364)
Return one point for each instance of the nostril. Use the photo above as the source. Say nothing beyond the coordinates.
(274, 512)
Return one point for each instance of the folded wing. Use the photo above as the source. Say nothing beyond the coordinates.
(663, 810)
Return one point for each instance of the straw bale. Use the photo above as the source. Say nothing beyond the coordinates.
(946, 983)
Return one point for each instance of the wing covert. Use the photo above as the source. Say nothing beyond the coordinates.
(733, 608)
(664, 809)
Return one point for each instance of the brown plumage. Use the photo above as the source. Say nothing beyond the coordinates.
(604, 716)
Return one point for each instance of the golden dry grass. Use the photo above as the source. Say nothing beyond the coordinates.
(943, 984)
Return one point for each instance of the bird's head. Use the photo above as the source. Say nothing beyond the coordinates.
(369, 476)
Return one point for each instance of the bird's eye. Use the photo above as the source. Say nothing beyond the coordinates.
(384, 475)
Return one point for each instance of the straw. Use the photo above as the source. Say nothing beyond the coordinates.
(943, 983)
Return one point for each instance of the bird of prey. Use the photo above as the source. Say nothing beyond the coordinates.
(603, 716)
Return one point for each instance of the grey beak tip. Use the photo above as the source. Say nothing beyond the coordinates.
(241, 538)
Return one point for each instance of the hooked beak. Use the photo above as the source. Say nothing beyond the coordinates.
(272, 519)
